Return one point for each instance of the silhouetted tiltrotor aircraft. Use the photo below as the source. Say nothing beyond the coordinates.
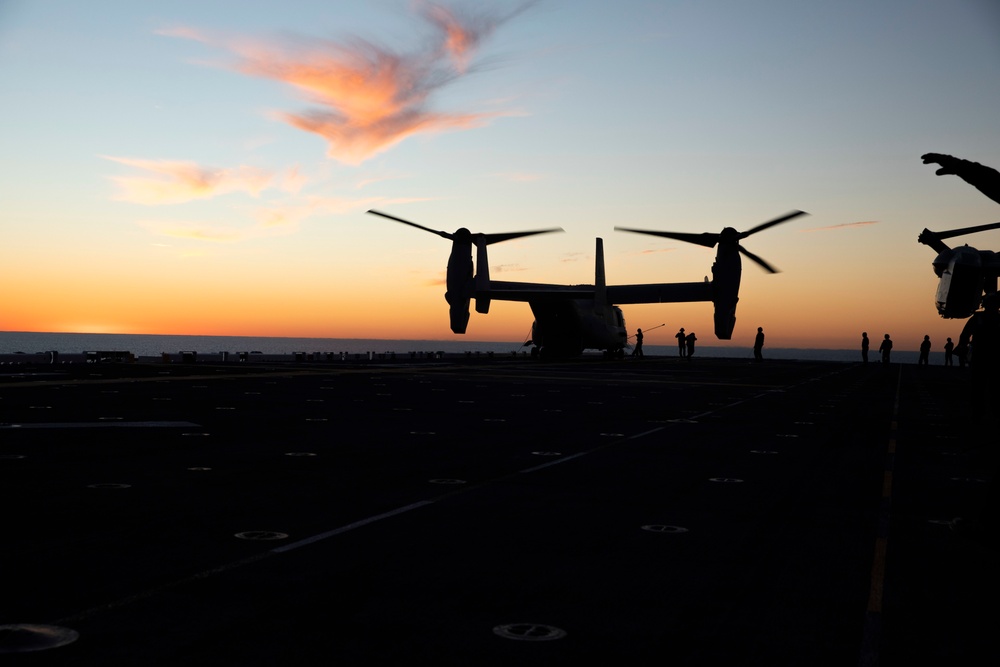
(964, 274)
(573, 318)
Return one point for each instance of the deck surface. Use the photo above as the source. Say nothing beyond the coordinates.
(495, 512)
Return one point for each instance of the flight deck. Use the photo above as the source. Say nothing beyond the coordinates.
(493, 512)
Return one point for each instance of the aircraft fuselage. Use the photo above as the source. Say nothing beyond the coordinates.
(568, 327)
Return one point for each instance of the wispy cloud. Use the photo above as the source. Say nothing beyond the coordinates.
(173, 182)
(508, 268)
(276, 219)
(198, 231)
(369, 97)
(284, 215)
(863, 223)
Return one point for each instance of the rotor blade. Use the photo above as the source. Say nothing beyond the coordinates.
(772, 223)
(750, 255)
(706, 239)
(445, 235)
(498, 238)
(967, 230)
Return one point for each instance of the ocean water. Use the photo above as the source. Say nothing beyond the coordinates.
(149, 345)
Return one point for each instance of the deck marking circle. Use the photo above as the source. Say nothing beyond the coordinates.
(529, 632)
(27, 637)
(199, 469)
(194, 434)
(613, 435)
(300, 454)
(763, 451)
(725, 480)
(659, 528)
(447, 481)
(261, 535)
(547, 453)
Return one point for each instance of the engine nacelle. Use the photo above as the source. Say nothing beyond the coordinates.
(459, 280)
(726, 275)
(725, 319)
(960, 288)
(459, 318)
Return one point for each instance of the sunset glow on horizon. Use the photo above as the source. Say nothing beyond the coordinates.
(205, 168)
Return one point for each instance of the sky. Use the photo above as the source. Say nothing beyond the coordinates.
(204, 167)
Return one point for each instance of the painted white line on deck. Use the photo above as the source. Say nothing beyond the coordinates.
(351, 526)
(564, 459)
(102, 424)
(556, 462)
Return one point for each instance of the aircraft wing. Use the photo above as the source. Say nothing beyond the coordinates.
(616, 294)
(507, 291)
(660, 293)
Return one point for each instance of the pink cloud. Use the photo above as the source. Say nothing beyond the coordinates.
(176, 182)
(368, 97)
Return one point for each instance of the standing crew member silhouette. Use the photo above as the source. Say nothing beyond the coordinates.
(689, 341)
(637, 350)
(864, 346)
(949, 347)
(886, 349)
(758, 345)
(680, 341)
(925, 352)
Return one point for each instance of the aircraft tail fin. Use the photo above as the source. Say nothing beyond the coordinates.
(600, 281)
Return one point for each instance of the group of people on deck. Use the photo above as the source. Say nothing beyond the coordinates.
(685, 344)
(951, 350)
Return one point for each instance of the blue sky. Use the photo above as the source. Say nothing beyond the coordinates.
(683, 116)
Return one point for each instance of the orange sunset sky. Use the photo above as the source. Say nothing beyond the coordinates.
(205, 168)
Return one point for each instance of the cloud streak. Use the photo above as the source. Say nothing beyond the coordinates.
(863, 223)
(367, 98)
(268, 220)
(175, 182)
